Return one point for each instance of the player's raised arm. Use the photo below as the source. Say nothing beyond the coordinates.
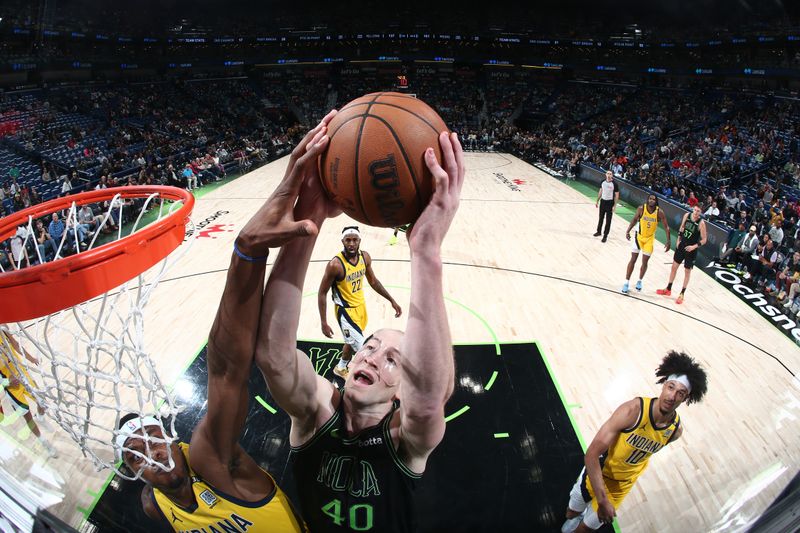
(231, 345)
(428, 365)
(290, 376)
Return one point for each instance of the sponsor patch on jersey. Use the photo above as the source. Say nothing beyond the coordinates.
(667, 433)
(209, 498)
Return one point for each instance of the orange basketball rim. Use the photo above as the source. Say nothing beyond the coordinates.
(46, 288)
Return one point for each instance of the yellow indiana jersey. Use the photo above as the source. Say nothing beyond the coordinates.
(18, 392)
(648, 223)
(216, 511)
(349, 292)
(628, 456)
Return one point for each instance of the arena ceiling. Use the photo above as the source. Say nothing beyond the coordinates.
(575, 16)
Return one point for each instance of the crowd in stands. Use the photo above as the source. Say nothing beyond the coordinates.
(736, 155)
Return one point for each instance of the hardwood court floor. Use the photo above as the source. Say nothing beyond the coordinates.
(521, 265)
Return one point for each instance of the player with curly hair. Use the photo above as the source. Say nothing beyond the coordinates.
(622, 448)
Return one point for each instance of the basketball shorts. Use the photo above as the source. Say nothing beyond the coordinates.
(642, 244)
(687, 258)
(582, 497)
(353, 322)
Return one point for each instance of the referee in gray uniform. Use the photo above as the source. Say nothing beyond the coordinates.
(607, 198)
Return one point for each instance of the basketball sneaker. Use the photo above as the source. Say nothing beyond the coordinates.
(664, 292)
(625, 288)
(679, 299)
(341, 372)
(639, 285)
(392, 240)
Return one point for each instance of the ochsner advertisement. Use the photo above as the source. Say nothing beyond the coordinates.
(754, 298)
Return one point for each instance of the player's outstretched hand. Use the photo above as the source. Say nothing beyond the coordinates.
(313, 203)
(327, 330)
(275, 223)
(429, 230)
(666, 246)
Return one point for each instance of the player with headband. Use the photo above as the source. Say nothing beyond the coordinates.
(344, 277)
(622, 448)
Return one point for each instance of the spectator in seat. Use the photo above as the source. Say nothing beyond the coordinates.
(788, 274)
(47, 175)
(56, 227)
(712, 213)
(733, 244)
(66, 186)
(760, 214)
(776, 234)
(190, 177)
(776, 214)
(47, 246)
(764, 267)
(88, 219)
(35, 197)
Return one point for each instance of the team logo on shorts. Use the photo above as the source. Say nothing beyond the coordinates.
(346, 332)
(209, 498)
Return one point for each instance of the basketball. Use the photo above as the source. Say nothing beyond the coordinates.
(374, 167)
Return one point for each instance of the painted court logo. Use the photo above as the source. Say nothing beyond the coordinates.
(216, 228)
(204, 223)
(511, 184)
(754, 299)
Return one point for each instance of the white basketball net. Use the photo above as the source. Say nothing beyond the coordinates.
(93, 367)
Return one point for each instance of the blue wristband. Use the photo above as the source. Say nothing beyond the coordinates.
(247, 258)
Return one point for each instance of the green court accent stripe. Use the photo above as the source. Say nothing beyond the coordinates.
(84, 512)
(95, 494)
(468, 310)
(501, 435)
(561, 395)
(265, 405)
(573, 406)
(491, 381)
(457, 413)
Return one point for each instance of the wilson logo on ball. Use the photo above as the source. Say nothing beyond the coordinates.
(387, 196)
